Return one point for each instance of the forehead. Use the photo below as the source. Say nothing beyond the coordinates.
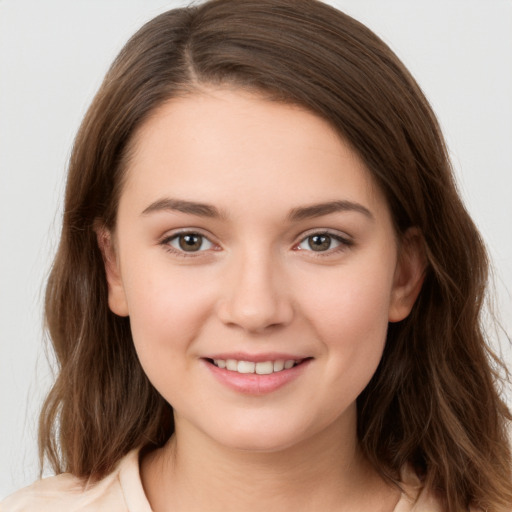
(232, 146)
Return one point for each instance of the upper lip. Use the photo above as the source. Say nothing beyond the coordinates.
(257, 358)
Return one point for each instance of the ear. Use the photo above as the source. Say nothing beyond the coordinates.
(116, 296)
(409, 275)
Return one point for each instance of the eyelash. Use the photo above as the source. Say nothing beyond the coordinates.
(166, 243)
(344, 243)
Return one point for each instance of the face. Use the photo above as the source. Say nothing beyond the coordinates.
(259, 267)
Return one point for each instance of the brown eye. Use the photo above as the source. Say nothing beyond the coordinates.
(324, 242)
(319, 242)
(190, 242)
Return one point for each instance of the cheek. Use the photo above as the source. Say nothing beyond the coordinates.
(353, 326)
(167, 310)
(351, 300)
(348, 310)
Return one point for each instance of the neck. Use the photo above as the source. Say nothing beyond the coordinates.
(327, 472)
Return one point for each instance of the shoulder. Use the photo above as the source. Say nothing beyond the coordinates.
(120, 491)
(415, 497)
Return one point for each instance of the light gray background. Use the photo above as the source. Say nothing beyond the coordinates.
(53, 55)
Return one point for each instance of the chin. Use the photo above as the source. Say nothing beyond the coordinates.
(259, 437)
(263, 444)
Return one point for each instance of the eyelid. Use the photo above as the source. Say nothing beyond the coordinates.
(326, 231)
(169, 236)
(345, 241)
(204, 241)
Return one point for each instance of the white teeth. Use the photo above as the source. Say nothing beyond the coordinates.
(232, 364)
(246, 367)
(261, 368)
(265, 368)
(278, 365)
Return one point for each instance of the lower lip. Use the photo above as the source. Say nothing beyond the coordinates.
(253, 383)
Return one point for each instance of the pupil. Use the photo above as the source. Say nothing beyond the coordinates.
(319, 242)
(190, 242)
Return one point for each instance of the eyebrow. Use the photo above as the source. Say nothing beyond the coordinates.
(296, 214)
(180, 205)
(320, 209)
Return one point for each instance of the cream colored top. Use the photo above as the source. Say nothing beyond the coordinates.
(122, 491)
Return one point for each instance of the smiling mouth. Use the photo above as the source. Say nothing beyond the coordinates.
(259, 368)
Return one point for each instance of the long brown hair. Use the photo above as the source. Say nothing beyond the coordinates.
(433, 403)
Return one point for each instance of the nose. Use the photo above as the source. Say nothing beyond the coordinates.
(257, 298)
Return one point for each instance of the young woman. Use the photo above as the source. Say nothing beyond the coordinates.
(267, 291)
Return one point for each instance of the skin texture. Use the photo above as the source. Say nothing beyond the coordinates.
(256, 287)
